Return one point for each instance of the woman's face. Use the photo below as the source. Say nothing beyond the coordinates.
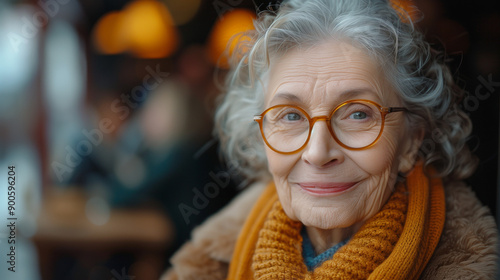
(325, 185)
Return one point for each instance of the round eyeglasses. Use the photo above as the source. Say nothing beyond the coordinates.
(354, 124)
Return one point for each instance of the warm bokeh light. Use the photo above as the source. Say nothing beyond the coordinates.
(150, 29)
(183, 11)
(232, 23)
(405, 8)
(108, 36)
(144, 27)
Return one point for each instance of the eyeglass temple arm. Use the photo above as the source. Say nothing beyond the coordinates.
(394, 109)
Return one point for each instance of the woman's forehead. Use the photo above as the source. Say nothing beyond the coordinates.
(332, 68)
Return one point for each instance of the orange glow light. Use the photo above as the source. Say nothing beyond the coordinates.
(107, 35)
(150, 29)
(405, 8)
(144, 27)
(233, 23)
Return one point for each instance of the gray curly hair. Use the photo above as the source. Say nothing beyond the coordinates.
(418, 74)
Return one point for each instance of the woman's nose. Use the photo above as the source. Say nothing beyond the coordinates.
(322, 150)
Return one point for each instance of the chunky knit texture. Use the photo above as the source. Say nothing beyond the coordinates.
(278, 255)
(395, 243)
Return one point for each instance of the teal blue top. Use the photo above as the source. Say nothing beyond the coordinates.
(310, 258)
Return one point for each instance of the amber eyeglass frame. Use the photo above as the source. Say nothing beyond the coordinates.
(383, 112)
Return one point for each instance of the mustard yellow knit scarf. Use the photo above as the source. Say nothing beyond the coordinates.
(396, 243)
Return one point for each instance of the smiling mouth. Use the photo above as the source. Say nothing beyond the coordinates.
(322, 189)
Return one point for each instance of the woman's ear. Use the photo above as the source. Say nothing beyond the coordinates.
(409, 152)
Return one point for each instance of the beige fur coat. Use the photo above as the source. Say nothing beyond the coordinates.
(467, 248)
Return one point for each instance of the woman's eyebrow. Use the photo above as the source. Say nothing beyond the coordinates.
(344, 95)
(356, 92)
(287, 96)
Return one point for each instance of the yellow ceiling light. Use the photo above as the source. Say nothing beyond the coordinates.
(150, 30)
(183, 11)
(107, 36)
(230, 26)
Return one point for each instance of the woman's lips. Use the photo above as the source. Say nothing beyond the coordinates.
(326, 188)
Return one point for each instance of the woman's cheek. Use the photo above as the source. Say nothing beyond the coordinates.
(381, 188)
(279, 165)
(378, 159)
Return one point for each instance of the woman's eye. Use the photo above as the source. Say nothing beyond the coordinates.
(358, 115)
(292, 117)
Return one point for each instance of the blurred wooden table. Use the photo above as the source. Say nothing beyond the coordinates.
(63, 226)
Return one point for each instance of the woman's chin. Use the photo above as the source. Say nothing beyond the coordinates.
(325, 219)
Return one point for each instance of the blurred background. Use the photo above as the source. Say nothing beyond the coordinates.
(106, 116)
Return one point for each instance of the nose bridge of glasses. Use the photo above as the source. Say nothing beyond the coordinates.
(322, 118)
(319, 118)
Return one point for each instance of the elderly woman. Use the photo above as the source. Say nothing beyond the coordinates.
(357, 149)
